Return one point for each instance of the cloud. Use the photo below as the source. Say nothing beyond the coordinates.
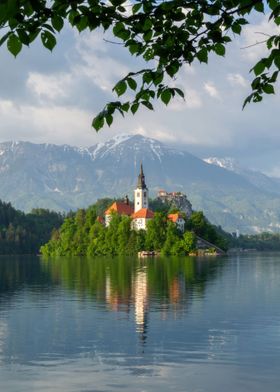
(49, 86)
(57, 124)
(192, 101)
(236, 79)
(211, 89)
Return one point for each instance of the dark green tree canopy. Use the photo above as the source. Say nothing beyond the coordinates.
(166, 34)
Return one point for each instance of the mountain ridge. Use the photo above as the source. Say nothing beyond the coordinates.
(66, 177)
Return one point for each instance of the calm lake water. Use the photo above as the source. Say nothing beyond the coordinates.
(182, 324)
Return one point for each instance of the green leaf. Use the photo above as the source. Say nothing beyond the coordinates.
(147, 77)
(134, 48)
(48, 40)
(179, 92)
(98, 122)
(277, 61)
(259, 67)
(273, 4)
(236, 28)
(4, 38)
(14, 45)
(109, 119)
(268, 89)
(120, 87)
(259, 7)
(23, 36)
(256, 83)
(136, 8)
(125, 106)
(132, 83)
(148, 105)
(202, 55)
(83, 23)
(148, 35)
(148, 24)
(166, 96)
(57, 22)
(220, 49)
(134, 108)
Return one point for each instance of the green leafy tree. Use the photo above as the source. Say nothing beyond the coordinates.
(96, 240)
(189, 241)
(123, 234)
(166, 34)
(171, 240)
(22, 233)
(203, 228)
(156, 232)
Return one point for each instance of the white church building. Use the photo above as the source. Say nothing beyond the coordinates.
(141, 213)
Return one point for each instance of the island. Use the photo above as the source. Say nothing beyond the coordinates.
(125, 228)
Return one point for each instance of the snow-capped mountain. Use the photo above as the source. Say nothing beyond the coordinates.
(225, 163)
(256, 178)
(65, 177)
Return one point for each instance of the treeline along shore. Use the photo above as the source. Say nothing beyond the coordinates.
(82, 233)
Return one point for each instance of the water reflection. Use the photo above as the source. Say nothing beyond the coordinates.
(111, 324)
(129, 285)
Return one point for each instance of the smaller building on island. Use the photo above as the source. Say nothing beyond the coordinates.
(141, 213)
(178, 220)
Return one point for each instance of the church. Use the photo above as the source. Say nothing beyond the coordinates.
(141, 213)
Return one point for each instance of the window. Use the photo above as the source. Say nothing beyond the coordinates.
(138, 194)
(145, 194)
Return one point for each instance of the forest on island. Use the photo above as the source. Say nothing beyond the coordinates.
(22, 233)
(82, 234)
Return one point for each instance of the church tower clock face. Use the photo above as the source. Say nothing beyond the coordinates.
(141, 193)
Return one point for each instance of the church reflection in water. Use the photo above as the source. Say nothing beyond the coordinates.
(140, 297)
(136, 298)
(163, 287)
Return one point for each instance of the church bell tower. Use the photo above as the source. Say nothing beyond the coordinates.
(141, 193)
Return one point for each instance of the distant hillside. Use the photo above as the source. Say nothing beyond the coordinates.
(24, 233)
(64, 178)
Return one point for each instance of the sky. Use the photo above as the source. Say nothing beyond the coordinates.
(52, 97)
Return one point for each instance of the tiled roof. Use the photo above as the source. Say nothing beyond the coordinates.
(174, 217)
(143, 213)
(119, 207)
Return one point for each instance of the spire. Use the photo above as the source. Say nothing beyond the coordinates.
(141, 179)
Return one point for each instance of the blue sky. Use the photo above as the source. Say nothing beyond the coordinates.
(52, 97)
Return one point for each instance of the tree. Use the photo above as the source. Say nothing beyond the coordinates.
(166, 34)
(189, 241)
(156, 232)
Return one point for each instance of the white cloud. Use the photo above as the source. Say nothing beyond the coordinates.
(161, 134)
(97, 63)
(55, 124)
(49, 86)
(236, 79)
(192, 101)
(211, 89)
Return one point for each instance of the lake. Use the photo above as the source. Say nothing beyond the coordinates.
(182, 324)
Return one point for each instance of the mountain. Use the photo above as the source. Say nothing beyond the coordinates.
(64, 177)
(260, 180)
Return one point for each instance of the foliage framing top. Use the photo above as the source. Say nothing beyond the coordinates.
(166, 34)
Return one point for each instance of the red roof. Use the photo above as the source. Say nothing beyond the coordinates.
(120, 208)
(143, 213)
(100, 219)
(174, 217)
